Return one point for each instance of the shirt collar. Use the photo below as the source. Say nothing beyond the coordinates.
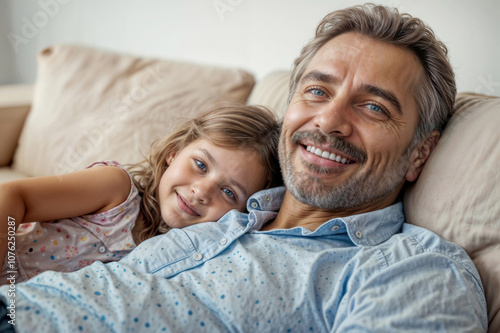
(373, 228)
(267, 200)
(367, 229)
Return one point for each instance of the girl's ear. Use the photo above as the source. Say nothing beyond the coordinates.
(420, 156)
(269, 182)
(170, 158)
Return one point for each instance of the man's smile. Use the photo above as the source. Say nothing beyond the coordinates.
(331, 156)
(338, 149)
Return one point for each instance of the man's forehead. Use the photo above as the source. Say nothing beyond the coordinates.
(348, 47)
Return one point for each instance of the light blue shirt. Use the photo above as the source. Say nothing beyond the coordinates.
(363, 273)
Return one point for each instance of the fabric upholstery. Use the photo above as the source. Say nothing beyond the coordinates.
(272, 91)
(15, 103)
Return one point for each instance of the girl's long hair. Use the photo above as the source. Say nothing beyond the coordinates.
(229, 125)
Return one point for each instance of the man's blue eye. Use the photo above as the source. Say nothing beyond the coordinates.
(228, 192)
(375, 108)
(318, 92)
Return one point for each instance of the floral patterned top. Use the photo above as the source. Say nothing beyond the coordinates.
(72, 243)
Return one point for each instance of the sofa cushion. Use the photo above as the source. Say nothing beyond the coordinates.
(272, 92)
(457, 195)
(94, 105)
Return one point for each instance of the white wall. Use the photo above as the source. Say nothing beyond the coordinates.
(256, 35)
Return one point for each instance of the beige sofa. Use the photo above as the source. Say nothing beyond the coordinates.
(90, 105)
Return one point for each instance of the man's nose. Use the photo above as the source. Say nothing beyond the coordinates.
(335, 118)
(203, 190)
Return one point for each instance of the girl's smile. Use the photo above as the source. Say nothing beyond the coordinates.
(185, 206)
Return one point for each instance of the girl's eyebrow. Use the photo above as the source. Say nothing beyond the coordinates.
(232, 181)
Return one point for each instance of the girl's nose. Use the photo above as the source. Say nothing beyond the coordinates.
(203, 191)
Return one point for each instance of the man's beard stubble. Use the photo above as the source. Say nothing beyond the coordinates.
(355, 192)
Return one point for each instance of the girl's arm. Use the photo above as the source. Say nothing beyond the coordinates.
(84, 192)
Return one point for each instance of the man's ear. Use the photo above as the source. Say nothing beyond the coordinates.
(420, 155)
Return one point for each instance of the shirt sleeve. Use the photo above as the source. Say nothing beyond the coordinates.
(425, 293)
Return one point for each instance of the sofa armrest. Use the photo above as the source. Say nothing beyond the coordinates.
(15, 103)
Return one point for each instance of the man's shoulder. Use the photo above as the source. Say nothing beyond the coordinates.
(417, 241)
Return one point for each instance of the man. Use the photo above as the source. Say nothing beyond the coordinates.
(368, 98)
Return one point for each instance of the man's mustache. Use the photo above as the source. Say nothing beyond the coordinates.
(334, 143)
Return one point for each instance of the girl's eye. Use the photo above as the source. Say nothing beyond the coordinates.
(201, 165)
(229, 193)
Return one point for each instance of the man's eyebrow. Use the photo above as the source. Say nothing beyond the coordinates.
(232, 180)
(319, 76)
(383, 93)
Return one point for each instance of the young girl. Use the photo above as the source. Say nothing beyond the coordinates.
(210, 165)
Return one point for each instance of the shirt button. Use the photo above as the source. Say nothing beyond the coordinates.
(254, 205)
(223, 241)
(197, 256)
(102, 249)
(359, 234)
(267, 198)
(335, 228)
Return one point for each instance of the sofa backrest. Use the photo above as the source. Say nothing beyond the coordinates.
(272, 91)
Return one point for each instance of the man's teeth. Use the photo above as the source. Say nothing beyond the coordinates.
(330, 156)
